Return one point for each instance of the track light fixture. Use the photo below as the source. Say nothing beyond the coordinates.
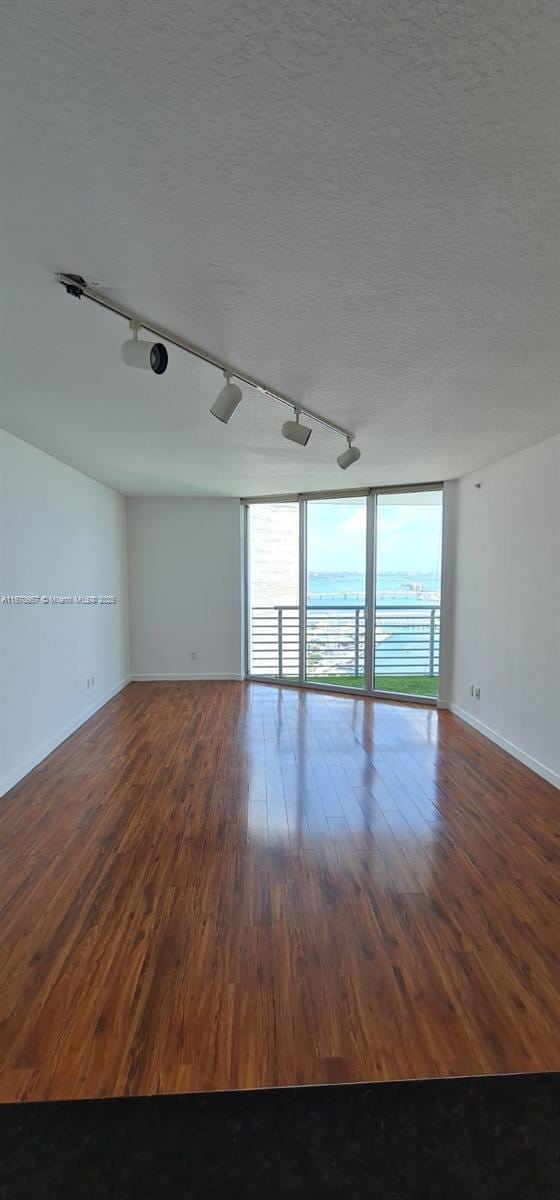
(227, 401)
(294, 432)
(349, 456)
(153, 356)
(147, 355)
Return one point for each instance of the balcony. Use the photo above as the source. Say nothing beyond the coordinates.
(407, 639)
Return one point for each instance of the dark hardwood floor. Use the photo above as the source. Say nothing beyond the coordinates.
(222, 885)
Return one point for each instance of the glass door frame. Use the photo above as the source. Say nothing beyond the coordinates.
(371, 495)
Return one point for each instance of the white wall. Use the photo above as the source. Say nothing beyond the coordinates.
(507, 604)
(61, 534)
(185, 588)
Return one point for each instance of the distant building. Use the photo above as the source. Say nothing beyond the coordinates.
(273, 547)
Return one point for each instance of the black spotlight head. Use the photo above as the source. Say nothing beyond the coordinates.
(158, 358)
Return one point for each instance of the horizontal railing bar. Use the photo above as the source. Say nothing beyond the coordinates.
(400, 643)
(404, 608)
(332, 633)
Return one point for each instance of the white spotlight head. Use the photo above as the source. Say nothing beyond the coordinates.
(149, 356)
(226, 403)
(349, 456)
(294, 432)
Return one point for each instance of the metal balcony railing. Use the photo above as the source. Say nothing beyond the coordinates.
(406, 640)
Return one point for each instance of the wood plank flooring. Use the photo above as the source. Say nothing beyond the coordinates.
(223, 885)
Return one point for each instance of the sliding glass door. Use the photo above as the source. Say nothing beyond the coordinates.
(407, 592)
(344, 591)
(336, 591)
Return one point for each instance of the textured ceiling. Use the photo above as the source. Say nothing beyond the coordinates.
(358, 202)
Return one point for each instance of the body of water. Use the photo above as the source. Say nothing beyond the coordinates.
(345, 590)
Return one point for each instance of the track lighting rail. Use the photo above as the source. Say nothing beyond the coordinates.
(77, 286)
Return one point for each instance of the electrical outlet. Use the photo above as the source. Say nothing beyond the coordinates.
(87, 682)
(477, 693)
(193, 655)
(93, 681)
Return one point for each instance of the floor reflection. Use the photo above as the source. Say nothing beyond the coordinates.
(347, 773)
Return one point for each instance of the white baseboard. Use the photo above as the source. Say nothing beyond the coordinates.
(533, 763)
(169, 677)
(9, 781)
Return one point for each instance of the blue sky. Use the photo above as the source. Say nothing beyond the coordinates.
(408, 539)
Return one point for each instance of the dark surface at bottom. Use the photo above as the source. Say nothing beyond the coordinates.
(453, 1138)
